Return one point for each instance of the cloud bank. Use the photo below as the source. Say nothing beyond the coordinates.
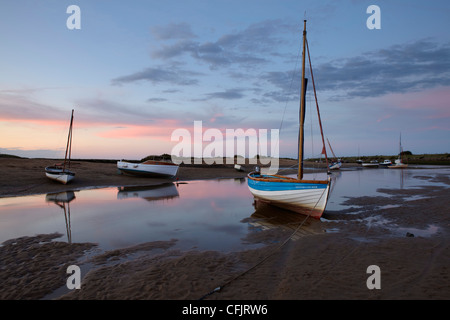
(400, 68)
(407, 67)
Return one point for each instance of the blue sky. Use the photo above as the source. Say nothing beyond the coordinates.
(137, 70)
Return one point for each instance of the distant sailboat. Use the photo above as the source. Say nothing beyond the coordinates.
(386, 163)
(61, 172)
(359, 158)
(371, 164)
(337, 163)
(398, 163)
(307, 197)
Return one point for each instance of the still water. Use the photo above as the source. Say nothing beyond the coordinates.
(204, 214)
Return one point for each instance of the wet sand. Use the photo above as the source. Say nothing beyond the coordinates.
(27, 176)
(411, 250)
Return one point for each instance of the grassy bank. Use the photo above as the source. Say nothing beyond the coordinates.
(426, 159)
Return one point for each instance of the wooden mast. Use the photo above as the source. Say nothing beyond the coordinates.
(335, 158)
(302, 109)
(69, 144)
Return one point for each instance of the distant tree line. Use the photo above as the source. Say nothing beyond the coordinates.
(163, 156)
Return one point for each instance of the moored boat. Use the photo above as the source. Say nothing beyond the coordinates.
(371, 164)
(149, 168)
(62, 172)
(386, 163)
(398, 163)
(59, 173)
(337, 163)
(308, 197)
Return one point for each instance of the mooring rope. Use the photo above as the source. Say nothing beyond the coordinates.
(339, 261)
(219, 288)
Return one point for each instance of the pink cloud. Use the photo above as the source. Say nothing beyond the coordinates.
(435, 102)
(387, 116)
(40, 122)
(159, 131)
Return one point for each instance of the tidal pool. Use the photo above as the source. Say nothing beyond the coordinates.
(204, 214)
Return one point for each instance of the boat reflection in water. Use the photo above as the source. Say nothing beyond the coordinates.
(150, 193)
(62, 200)
(267, 217)
(164, 191)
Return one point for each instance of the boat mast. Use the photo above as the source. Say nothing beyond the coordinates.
(335, 158)
(69, 143)
(302, 109)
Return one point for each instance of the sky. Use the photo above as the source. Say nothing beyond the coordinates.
(136, 71)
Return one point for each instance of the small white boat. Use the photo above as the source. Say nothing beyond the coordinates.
(149, 168)
(61, 172)
(386, 163)
(238, 167)
(371, 164)
(335, 165)
(398, 163)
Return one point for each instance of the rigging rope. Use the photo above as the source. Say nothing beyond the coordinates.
(317, 104)
(290, 87)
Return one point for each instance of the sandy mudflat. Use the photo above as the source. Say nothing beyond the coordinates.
(312, 265)
(27, 176)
